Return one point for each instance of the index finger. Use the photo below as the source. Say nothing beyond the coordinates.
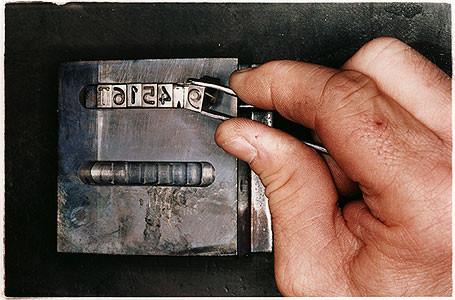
(365, 131)
(289, 87)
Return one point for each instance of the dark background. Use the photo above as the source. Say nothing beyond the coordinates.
(41, 36)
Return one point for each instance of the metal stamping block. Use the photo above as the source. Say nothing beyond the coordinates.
(134, 95)
(104, 96)
(119, 95)
(149, 180)
(127, 209)
(194, 96)
(179, 97)
(149, 95)
(165, 95)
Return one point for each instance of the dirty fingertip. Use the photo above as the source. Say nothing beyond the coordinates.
(233, 142)
(238, 76)
(240, 148)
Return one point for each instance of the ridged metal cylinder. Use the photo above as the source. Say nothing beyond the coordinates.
(147, 173)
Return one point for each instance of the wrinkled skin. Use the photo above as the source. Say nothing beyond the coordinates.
(385, 118)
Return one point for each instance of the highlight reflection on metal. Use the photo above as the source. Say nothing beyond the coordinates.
(213, 86)
(316, 147)
(195, 174)
(261, 220)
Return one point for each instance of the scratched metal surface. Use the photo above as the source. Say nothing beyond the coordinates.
(140, 219)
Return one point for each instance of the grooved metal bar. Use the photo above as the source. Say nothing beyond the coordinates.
(148, 173)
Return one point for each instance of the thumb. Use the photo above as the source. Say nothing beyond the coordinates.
(302, 196)
(309, 232)
(295, 177)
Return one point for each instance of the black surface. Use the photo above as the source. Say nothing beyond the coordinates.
(40, 36)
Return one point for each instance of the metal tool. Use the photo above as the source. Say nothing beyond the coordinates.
(139, 171)
(229, 91)
(188, 95)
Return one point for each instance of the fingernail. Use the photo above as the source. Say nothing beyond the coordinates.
(237, 75)
(243, 70)
(240, 148)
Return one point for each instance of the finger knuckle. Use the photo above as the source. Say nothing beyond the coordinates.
(351, 100)
(277, 68)
(382, 49)
(278, 184)
(344, 90)
(381, 46)
(268, 79)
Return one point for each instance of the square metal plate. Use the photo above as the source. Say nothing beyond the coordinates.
(143, 219)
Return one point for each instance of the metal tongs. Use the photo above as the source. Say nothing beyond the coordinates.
(230, 92)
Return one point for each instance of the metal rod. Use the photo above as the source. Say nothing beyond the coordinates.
(229, 91)
(316, 147)
(213, 86)
(214, 116)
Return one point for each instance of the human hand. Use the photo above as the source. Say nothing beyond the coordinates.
(385, 119)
